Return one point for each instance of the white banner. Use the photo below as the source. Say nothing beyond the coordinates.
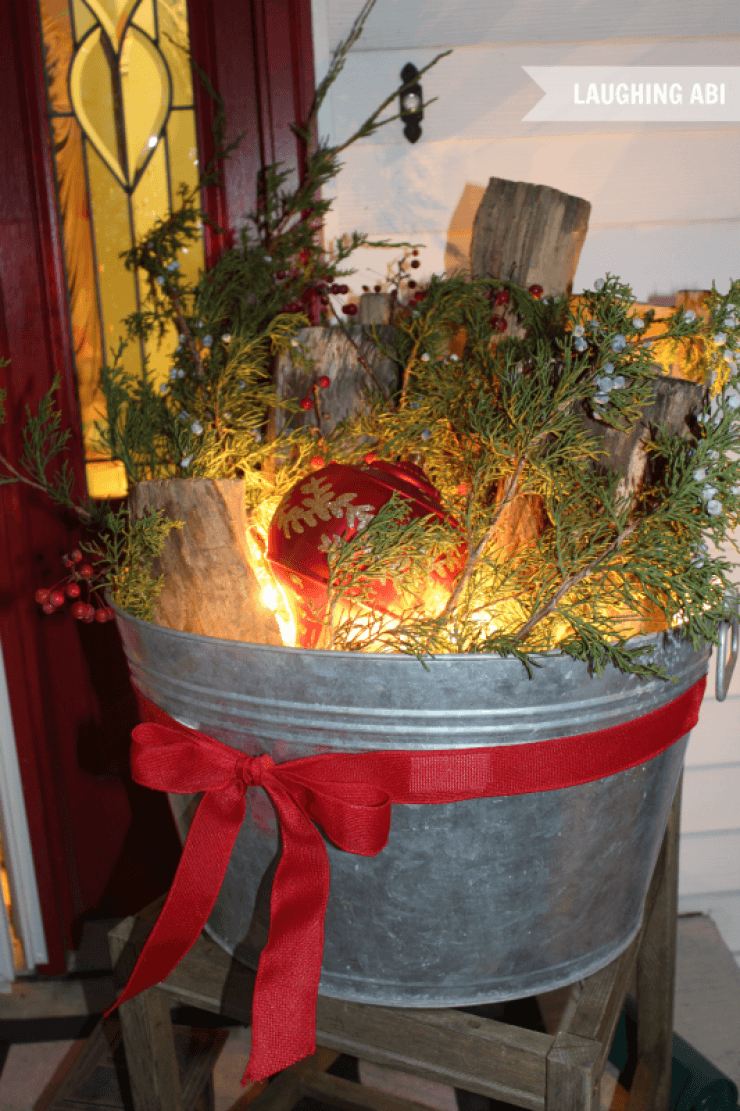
(668, 94)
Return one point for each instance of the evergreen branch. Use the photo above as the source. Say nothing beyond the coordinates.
(572, 581)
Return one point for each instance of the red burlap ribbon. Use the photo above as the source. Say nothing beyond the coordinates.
(349, 796)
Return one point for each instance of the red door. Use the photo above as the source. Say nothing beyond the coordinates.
(72, 706)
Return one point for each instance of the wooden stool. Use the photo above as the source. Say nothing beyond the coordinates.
(560, 1072)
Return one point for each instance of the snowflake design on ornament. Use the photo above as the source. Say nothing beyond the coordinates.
(322, 505)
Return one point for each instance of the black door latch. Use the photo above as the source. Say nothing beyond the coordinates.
(411, 102)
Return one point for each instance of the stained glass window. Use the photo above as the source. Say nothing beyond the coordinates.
(121, 116)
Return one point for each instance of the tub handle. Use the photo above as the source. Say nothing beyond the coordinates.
(725, 664)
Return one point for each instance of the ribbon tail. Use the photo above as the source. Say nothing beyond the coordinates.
(289, 971)
(200, 873)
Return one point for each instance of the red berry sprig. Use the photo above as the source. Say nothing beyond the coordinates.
(70, 589)
(536, 291)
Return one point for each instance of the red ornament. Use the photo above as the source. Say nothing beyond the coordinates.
(350, 310)
(498, 324)
(536, 291)
(324, 382)
(317, 462)
(339, 501)
(503, 297)
(307, 404)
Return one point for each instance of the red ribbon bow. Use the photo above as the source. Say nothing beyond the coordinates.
(349, 796)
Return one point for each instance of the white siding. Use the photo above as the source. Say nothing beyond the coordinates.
(441, 23)
(665, 216)
(664, 209)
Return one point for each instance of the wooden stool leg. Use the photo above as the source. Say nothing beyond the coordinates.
(656, 971)
(149, 1044)
(573, 1077)
(148, 1038)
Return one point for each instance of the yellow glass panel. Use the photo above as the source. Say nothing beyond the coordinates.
(110, 214)
(184, 163)
(92, 96)
(146, 98)
(83, 17)
(130, 65)
(144, 18)
(150, 201)
(113, 16)
(174, 44)
(144, 92)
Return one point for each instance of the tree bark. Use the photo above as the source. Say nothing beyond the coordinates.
(209, 587)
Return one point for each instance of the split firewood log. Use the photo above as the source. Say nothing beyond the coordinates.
(675, 406)
(529, 234)
(375, 308)
(351, 360)
(526, 234)
(210, 586)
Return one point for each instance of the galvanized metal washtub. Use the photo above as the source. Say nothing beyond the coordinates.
(470, 902)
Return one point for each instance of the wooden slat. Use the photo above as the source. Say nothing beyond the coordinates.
(355, 1097)
(146, 1027)
(656, 965)
(465, 1051)
(600, 1003)
(573, 1074)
